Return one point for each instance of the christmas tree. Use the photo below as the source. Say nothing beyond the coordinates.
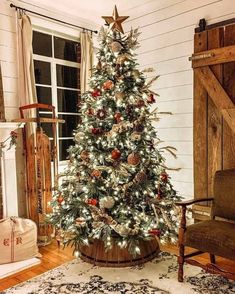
(116, 187)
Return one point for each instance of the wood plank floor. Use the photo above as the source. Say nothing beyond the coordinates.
(52, 256)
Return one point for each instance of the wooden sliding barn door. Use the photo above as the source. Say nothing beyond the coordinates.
(213, 63)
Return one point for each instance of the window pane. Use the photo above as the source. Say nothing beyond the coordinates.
(67, 49)
(63, 146)
(47, 127)
(44, 95)
(42, 72)
(42, 44)
(67, 100)
(67, 76)
(71, 122)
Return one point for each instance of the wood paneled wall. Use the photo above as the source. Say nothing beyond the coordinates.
(166, 42)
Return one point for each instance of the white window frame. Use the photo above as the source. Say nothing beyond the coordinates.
(53, 62)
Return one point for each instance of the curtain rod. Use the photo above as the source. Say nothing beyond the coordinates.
(52, 18)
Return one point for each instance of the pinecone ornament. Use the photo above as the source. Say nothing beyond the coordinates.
(101, 114)
(133, 159)
(141, 177)
(119, 95)
(116, 47)
(139, 128)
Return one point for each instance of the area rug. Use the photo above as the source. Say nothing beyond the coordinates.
(158, 276)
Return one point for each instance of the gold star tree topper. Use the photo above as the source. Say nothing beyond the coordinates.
(115, 21)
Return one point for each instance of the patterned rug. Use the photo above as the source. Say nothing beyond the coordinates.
(158, 276)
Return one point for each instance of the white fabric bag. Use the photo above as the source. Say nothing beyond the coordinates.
(18, 240)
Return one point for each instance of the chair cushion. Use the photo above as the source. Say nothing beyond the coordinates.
(213, 236)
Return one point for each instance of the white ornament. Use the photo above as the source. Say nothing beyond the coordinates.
(107, 202)
(79, 136)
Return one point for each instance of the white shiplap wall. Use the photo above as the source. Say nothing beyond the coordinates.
(166, 42)
(8, 59)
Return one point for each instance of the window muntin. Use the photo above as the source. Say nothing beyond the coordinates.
(57, 76)
(67, 49)
(42, 44)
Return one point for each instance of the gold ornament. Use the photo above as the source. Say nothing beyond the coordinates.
(115, 21)
(85, 155)
(119, 95)
(136, 73)
(116, 47)
(133, 159)
(107, 202)
(135, 136)
(122, 58)
(79, 136)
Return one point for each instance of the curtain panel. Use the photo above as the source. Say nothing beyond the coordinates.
(86, 60)
(27, 89)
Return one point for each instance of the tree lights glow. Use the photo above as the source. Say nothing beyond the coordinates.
(115, 187)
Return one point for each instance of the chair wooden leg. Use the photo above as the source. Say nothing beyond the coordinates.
(181, 264)
(212, 258)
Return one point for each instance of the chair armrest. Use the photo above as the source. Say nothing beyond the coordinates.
(192, 201)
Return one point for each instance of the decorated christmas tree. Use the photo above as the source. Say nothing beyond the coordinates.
(116, 187)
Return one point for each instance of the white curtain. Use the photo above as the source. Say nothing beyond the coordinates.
(86, 60)
(26, 95)
(26, 89)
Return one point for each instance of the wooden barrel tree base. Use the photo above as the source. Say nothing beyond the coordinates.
(95, 254)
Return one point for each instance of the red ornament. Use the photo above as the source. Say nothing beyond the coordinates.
(115, 154)
(96, 131)
(90, 111)
(164, 177)
(159, 196)
(60, 199)
(155, 232)
(96, 173)
(117, 117)
(151, 99)
(92, 202)
(96, 93)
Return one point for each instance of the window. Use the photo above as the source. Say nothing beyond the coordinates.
(57, 76)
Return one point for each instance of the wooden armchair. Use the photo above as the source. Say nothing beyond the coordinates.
(215, 236)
